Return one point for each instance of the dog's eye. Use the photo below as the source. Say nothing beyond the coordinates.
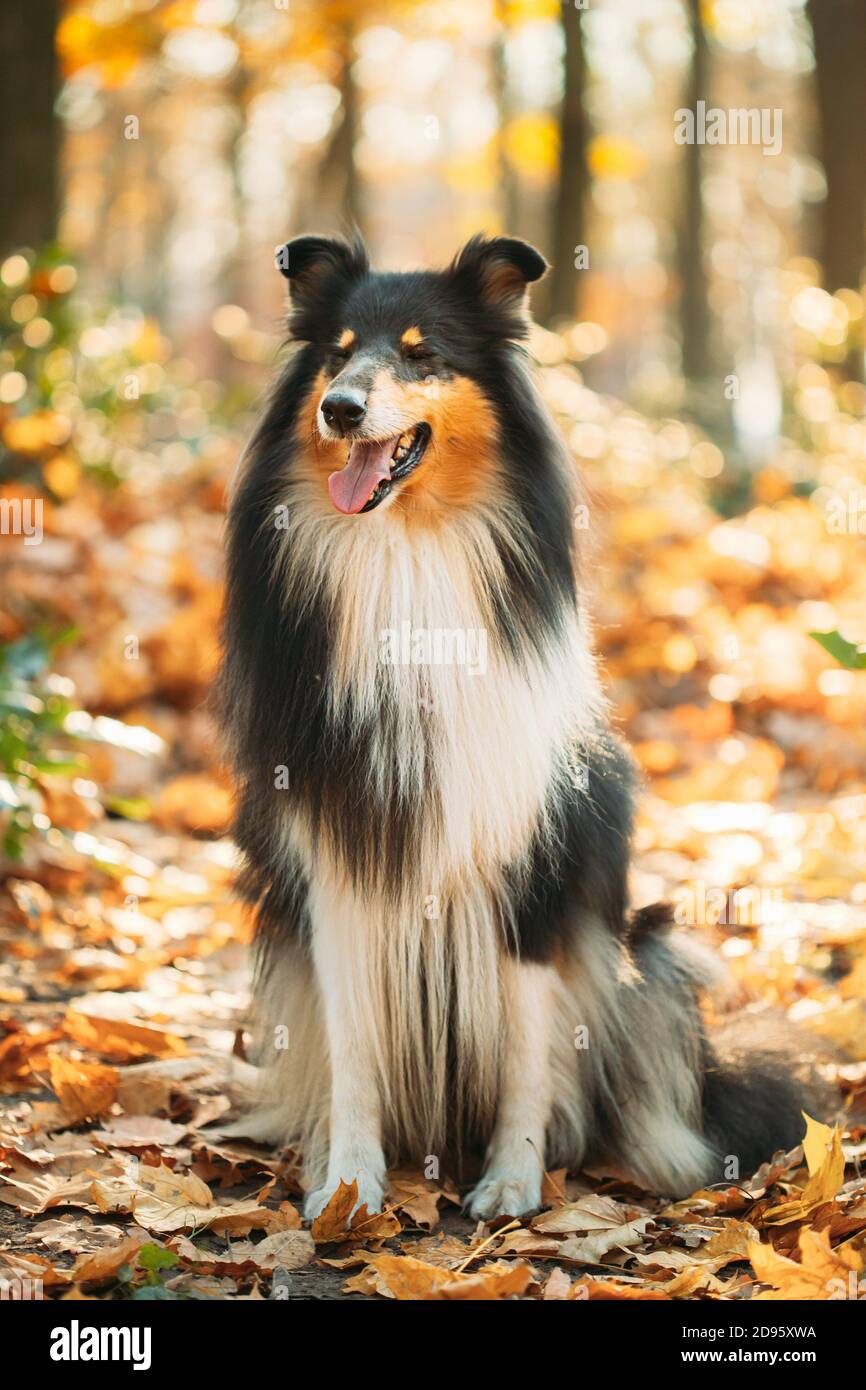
(420, 354)
(338, 357)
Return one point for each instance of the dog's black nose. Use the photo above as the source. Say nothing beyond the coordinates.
(344, 410)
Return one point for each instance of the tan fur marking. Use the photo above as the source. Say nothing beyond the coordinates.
(346, 339)
(413, 337)
(460, 466)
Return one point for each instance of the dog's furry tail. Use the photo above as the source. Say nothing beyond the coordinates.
(761, 1075)
(758, 1073)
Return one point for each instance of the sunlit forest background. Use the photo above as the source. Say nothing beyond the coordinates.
(700, 339)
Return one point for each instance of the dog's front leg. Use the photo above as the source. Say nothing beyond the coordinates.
(511, 1182)
(355, 1139)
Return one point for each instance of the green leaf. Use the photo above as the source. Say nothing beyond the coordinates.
(848, 654)
(156, 1257)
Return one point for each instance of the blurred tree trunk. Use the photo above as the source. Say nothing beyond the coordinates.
(509, 190)
(340, 185)
(694, 312)
(839, 32)
(29, 132)
(569, 205)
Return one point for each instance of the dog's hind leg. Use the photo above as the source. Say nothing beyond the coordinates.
(628, 1093)
(511, 1182)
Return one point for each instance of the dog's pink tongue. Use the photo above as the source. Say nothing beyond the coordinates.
(369, 463)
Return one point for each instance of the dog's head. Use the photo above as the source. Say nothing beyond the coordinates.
(398, 408)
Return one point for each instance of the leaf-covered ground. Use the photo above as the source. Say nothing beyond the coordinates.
(123, 957)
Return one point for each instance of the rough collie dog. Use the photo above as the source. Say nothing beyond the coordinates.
(433, 813)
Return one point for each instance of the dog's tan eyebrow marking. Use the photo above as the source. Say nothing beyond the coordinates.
(413, 337)
(346, 339)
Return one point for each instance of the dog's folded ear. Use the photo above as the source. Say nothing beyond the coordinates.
(500, 269)
(316, 267)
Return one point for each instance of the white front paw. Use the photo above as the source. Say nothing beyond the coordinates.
(371, 1194)
(508, 1195)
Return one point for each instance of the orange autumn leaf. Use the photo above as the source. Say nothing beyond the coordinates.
(822, 1274)
(611, 1290)
(406, 1279)
(826, 1163)
(101, 1266)
(22, 1054)
(85, 1090)
(336, 1222)
(120, 1038)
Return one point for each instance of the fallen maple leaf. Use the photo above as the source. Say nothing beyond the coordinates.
(337, 1221)
(826, 1165)
(418, 1198)
(822, 1274)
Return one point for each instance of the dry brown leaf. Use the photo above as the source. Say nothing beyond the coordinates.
(489, 1283)
(532, 1244)
(553, 1188)
(418, 1198)
(557, 1286)
(138, 1132)
(67, 1183)
(22, 1054)
(592, 1249)
(16, 1268)
(822, 1274)
(730, 1243)
(250, 1215)
(589, 1213)
(826, 1163)
(85, 1090)
(290, 1249)
(336, 1222)
(79, 1234)
(406, 1279)
(120, 1038)
(101, 1266)
(441, 1249)
(160, 1199)
(613, 1290)
(164, 1201)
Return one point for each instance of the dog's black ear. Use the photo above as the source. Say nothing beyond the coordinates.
(501, 267)
(317, 268)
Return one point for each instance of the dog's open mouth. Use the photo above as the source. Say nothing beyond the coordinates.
(374, 466)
